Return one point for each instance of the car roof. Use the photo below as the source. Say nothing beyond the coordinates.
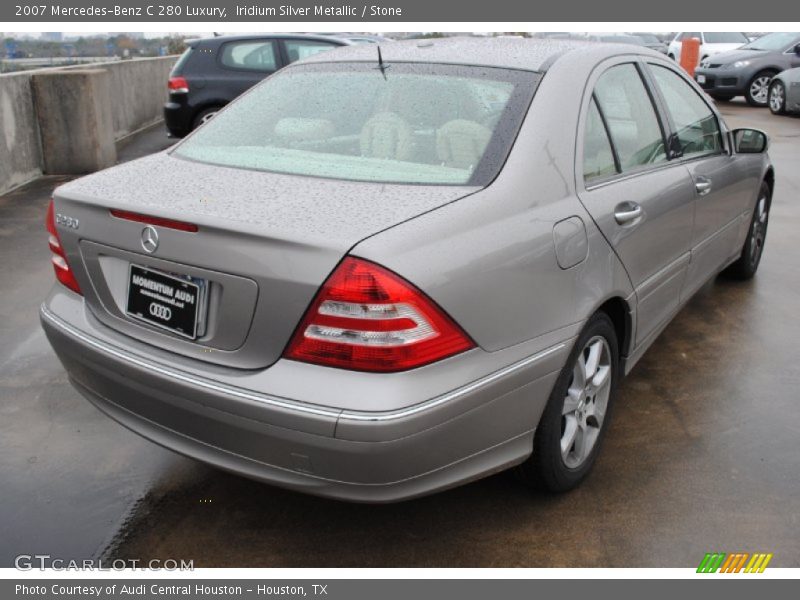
(512, 53)
(260, 36)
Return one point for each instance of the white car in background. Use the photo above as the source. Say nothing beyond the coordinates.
(710, 43)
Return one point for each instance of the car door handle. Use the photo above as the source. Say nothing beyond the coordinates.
(627, 212)
(703, 186)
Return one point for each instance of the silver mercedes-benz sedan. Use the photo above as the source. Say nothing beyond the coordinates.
(379, 274)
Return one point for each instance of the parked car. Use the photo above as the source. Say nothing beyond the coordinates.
(214, 71)
(374, 279)
(615, 38)
(748, 71)
(358, 38)
(553, 35)
(784, 92)
(652, 41)
(711, 43)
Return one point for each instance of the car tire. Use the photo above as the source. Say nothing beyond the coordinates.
(746, 265)
(204, 115)
(549, 468)
(722, 97)
(757, 91)
(777, 98)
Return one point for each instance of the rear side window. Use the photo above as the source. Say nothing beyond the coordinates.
(695, 124)
(300, 49)
(631, 118)
(254, 55)
(598, 157)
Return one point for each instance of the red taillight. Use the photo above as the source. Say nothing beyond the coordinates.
(366, 318)
(178, 84)
(59, 259)
(139, 218)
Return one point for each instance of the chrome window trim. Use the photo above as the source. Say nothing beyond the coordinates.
(692, 84)
(582, 184)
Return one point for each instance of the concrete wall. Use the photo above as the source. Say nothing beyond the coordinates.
(75, 125)
(20, 150)
(137, 91)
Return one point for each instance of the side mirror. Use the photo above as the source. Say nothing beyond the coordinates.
(674, 148)
(797, 49)
(750, 141)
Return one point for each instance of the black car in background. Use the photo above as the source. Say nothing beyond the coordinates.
(214, 71)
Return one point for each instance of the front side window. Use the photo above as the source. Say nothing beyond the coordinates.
(695, 124)
(411, 123)
(632, 123)
(255, 55)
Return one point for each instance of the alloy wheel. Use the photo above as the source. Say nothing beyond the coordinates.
(759, 88)
(586, 402)
(776, 98)
(758, 232)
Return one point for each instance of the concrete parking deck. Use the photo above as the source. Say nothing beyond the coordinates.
(703, 454)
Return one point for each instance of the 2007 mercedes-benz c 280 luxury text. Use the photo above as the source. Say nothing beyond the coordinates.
(377, 275)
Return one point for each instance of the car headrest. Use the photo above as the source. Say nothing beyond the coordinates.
(461, 143)
(386, 135)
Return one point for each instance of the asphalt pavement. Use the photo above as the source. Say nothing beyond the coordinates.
(703, 453)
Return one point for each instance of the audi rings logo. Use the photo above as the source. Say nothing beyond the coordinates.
(159, 311)
(149, 239)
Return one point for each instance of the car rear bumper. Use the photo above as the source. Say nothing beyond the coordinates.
(480, 428)
(178, 118)
(716, 81)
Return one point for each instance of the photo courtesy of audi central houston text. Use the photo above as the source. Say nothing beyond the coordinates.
(374, 270)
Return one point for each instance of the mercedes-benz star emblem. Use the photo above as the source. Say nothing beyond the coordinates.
(150, 239)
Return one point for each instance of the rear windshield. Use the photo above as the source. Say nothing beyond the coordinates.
(622, 39)
(648, 38)
(181, 62)
(726, 38)
(407, 123)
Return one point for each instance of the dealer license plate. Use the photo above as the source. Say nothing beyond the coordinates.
(166, 301)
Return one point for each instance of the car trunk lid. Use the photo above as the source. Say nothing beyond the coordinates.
(264, 244)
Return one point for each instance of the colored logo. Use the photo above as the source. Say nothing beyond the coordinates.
(738, 562)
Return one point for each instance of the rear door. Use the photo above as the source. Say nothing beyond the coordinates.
(723, 182)
(640, 200)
